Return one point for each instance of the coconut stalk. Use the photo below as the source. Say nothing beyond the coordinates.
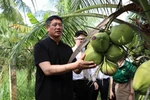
(12, 79)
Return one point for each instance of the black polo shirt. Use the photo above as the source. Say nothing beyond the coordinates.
(54, 87)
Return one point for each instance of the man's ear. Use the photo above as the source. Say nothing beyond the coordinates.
(47, 27)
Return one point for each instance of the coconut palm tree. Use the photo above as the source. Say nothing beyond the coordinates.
(10, 14)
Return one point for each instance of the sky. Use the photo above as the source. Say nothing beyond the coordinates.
(42, 5)
(50, 5)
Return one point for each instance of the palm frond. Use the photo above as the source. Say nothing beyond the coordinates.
(32, 18)
(10, 12)
(20, 28)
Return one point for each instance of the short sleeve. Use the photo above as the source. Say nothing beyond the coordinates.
(40, 54)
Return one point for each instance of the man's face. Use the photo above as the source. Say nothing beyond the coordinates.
(79, 39)
(55, 28)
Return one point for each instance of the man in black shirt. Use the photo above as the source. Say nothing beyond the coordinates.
(53, 74)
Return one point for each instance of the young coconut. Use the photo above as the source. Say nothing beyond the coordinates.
(109, 67)
(92, 55)
(121, 34)
(114, 53)
(100, 42)
(141, 80)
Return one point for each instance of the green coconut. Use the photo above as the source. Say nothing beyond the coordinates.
(114, 53)
(141, 80)
(100, 41)
(108, 67)
(89, 45)
(92, 55)
(121, 34)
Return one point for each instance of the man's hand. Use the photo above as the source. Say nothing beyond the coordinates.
(96, 86)
(85, 64)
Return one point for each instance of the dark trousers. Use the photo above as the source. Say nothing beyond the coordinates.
(103, 89)
(83, 90)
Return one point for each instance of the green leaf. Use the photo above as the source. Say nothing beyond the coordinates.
(32, 18)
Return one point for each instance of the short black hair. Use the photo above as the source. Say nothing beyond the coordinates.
(49, 19)
(80, 32)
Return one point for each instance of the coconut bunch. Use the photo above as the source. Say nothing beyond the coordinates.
(105, 49)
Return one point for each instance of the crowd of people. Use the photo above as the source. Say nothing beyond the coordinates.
(56, 79)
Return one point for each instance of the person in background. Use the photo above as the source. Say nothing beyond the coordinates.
(101, 84)
(112, 95)
(81, 85)
(123, 81)
(53, 72)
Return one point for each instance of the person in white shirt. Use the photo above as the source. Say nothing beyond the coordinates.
(101, 84)
(81, 84)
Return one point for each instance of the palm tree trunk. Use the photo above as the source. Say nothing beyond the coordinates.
(12, 79)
